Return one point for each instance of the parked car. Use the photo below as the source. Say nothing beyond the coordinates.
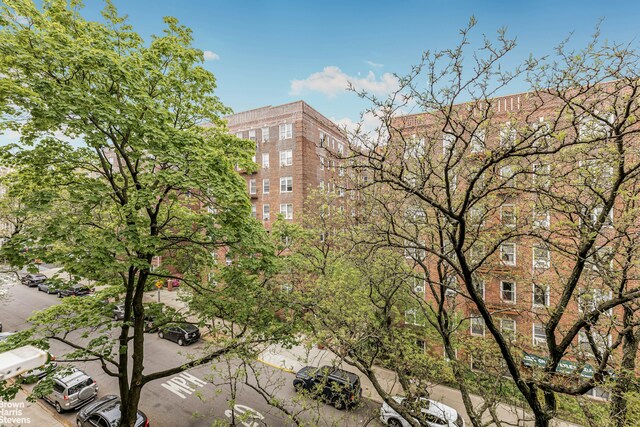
(33, 280)
(5, 335)
(72, 388)
(340, 388)
(48, 287)
(181, 333)
(150, 315)
(38, 373)
(435, 414)
(106, 412)
(74, 290)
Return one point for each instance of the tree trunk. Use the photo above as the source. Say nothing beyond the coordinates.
(626, 375)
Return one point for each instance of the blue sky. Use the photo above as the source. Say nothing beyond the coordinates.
(274, 52)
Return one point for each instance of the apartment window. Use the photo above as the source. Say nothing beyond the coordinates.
(508, 328)
(542, 175)
(477, 216)
(340, 148)
(286, 131)
(321, 185)
(265, 134)
(411, 250)
(601, 342)
(252, 135)
(539, 335)
(286, 209)
(541, 257)
(608, 220)
(541, 218)
(447, 142)
(239, 135)
(322, 163)
(589, 300)
(592, 129)
(419, 285)
(254, 211)
(323, 139)
(340, 171)
(411, 317)
(286, 158)
(508, 215)
(266, 212)
(477, 252)
(507, 135)
(477, 326)
(265, 186)
(478, 285)
(506, 172)
(253, 158)
(286, 184)
(540, 295)
(252, 186)
(508, 253)
(450, 283)
(477, 141)
(265, 160)
(508, 291)
(340, 192)
(541, 134)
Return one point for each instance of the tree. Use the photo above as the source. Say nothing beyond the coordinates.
(124, 157)
(550, 175)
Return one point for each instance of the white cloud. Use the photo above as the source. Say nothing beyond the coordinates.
(369, 123)
(210, 56)
(332, 81)
(374, 64)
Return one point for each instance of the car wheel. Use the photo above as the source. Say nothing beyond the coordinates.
(59, 295)
(160, 334)
(58, 408)
(115, 317)
(39, 290)
(298, 387)
(180, 342)
(394, 423)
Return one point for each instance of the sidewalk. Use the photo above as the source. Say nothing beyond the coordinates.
(19, 412)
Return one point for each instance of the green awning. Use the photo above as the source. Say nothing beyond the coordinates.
(565, 367)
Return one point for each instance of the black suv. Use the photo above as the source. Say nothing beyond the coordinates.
(181, 333)
(33, 280)
(74, 290)
(335, 386)
(106, 412)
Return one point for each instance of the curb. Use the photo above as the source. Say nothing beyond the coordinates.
(55, 415)
(273, 365)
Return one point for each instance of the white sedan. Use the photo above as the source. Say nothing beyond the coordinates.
(435, 414)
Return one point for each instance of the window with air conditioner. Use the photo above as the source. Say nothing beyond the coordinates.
(286, 131)
(418, 284)
(265, 135)
(252, 135)
(539, 335)
(286, 158)
(266, 212)
(508, 254)
(541, 257)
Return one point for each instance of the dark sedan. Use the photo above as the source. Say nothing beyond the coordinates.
(33, 280)
(180, 333)
(74, 290)
(106, 412)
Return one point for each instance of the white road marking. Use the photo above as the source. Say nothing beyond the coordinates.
(182, 384)
(240, 410)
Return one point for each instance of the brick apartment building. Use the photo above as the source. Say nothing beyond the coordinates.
(294, 146)
(522, 238)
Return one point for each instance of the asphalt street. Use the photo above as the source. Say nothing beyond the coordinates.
(198, 397)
